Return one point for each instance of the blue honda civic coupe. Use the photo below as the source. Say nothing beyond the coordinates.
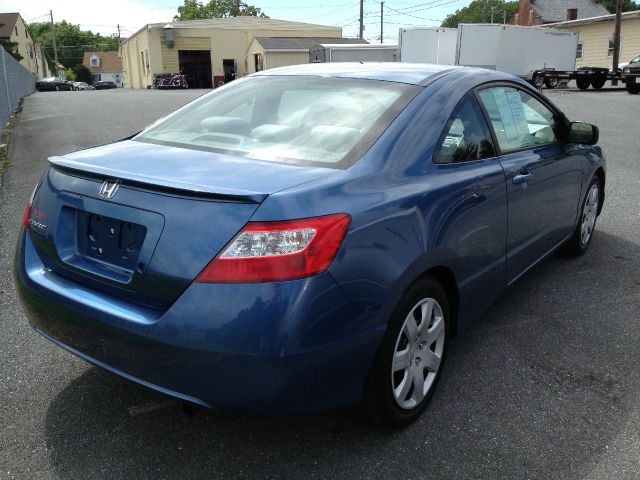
(306, 237)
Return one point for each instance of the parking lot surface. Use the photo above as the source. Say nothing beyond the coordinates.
(546, 385)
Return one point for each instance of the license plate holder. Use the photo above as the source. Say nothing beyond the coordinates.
(110, 240)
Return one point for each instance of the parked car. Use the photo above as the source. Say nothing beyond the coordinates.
(52, 83)
(309, 236)
(104, 85)
(621, 65)
(82, 86)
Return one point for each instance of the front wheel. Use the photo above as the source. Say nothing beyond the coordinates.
(633, 88)
(538, 80)
(409, 362)
(581, 239)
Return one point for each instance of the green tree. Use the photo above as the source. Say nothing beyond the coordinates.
(195, 10)
(627, 5)
(10, 47)
(69, 74)
(83, 74)
(480, 11)
(71, 41)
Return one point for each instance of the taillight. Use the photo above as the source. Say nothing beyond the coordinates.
(27, 212)
(279, 251)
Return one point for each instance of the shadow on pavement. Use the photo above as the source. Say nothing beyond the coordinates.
(538, 389)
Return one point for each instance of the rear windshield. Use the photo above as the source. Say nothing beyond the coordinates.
(320, 121)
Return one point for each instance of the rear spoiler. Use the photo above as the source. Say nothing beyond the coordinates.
(158, 184)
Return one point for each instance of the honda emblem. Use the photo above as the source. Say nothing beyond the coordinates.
(109, 188)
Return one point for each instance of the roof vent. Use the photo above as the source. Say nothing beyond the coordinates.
(572, 13)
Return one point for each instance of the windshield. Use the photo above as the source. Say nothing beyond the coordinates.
(635, 60)
(321, 121)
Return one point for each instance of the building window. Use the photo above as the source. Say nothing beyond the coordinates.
(579, 51)
(146, 53)
(94, 61)
(572, 13)
(16, 30)
(610, 49)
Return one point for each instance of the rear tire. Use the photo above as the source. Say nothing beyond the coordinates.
(598, 83)
(583, 83)
(409, 362)
(581, 239)
(551, 82)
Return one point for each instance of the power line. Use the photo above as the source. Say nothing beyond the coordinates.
(35, 18)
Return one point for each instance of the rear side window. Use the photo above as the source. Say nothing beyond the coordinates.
(467, 136)
(518, 120)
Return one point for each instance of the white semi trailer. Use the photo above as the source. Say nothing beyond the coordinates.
(527, 52)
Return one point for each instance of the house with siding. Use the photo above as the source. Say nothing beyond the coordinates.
(541, 12)
(104, 66)
(595, 38)
(14, 29)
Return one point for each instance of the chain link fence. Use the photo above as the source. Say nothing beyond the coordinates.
(15, 82)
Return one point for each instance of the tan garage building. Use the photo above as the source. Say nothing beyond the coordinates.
(595, 41)
(206, 51)
(272, 52)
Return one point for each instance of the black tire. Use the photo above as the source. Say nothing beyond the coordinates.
(538, 80)
(551, 82)
(379, 398)
(577, 245)
(632, 88)
(598, 83)
(583, 83)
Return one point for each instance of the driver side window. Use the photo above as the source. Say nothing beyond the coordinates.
(518, 120)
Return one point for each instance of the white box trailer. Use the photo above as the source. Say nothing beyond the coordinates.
(428, 45)
(370, 52)
(528, 52)
(521, 51)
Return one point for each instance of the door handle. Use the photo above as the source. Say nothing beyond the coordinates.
(521, 178)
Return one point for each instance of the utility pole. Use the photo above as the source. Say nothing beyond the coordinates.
(361, 19)
(119, 44)
(381, 21)
(616, 38)
(492, 8)
(53, 37)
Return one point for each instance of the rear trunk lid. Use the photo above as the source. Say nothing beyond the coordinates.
(140, 221)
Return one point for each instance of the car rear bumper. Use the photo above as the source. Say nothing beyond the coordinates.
(286, 348)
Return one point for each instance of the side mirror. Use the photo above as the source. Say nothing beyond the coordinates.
(584, 133)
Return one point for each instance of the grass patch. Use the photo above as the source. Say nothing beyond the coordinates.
(5, 140)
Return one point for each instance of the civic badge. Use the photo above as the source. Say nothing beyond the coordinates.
(109, 188)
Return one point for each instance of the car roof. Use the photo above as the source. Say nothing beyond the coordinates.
(412, 73)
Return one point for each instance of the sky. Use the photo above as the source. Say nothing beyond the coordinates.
(103, 17)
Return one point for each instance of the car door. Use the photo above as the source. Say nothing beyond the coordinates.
(472, 216)
(543, 180)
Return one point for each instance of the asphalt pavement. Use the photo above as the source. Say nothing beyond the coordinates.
(546, 385)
